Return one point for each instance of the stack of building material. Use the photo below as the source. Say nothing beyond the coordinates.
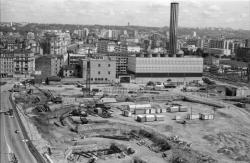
(177, 117)
(164, 110)
(127, 113)
(98, 111)
(152, 111)
(139, 111)
(173, 109)
(193, 116)
(159, 117)
(150, 118)
(132, 108)
(141, 118)
(183, 109)
(206, 116)
(158, 110)
(76, 119)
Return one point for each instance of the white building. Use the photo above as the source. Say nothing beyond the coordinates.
(219, 52)
(133, 48)
(163, 68)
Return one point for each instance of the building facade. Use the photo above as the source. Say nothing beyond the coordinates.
(75, 58)
(163, 68)
(102, 69)
(49, 65)
(17, 62)
(243, 54)
(6, 65)
(55, 43)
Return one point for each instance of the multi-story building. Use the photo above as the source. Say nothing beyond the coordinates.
(86, 32)
(134, 48)
(111, 47)
(222, 44)
(49, 65)
(74, 59)
(219, 52)
(24, 62)
(206, 45)
(30, 36)
(79, 33)
(34, 46)
(192, 41)
(121, 62)
(247, 43)
(55, 43)
(106, 45)
(6, 64)
(243, 54)
(164, 68)
(121, 47)
(102, 69)
(17, 62)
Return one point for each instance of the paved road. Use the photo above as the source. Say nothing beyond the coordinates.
(11, 141)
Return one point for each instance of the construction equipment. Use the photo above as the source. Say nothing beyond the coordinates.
(12, 158)
(56, 99)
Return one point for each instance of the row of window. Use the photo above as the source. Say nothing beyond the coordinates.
(99, 79)
(99, 72)
(99, 65)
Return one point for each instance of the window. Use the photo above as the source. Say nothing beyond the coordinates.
(106, 79)
(91, 79)
(99, 65)
(99, 72)
(108, 65)
(95, 79)
(109, 72)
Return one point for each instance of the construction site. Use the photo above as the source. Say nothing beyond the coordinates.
(111, 123)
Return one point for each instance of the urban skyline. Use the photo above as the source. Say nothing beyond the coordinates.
(194, 13)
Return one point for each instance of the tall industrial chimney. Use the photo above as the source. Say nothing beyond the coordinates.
(173, 27)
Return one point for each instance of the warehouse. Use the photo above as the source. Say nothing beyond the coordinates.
(163, 68)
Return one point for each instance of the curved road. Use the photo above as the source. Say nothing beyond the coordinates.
(9, 140)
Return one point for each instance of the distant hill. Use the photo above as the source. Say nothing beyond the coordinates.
(210, 32)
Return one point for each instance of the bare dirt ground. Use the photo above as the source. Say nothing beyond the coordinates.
(226, 138)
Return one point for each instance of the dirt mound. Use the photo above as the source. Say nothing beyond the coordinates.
(234, 145)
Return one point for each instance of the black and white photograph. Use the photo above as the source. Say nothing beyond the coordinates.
(125, 81)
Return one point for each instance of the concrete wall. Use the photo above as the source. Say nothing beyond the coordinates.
(140, 80)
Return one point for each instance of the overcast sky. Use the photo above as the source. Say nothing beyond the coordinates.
(192, 13)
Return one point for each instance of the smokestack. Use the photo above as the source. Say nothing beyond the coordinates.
(173, 27)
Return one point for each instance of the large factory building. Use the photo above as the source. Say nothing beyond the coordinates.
(163, 68)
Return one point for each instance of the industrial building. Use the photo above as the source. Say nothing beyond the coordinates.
(164, 68)
(102, 69)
